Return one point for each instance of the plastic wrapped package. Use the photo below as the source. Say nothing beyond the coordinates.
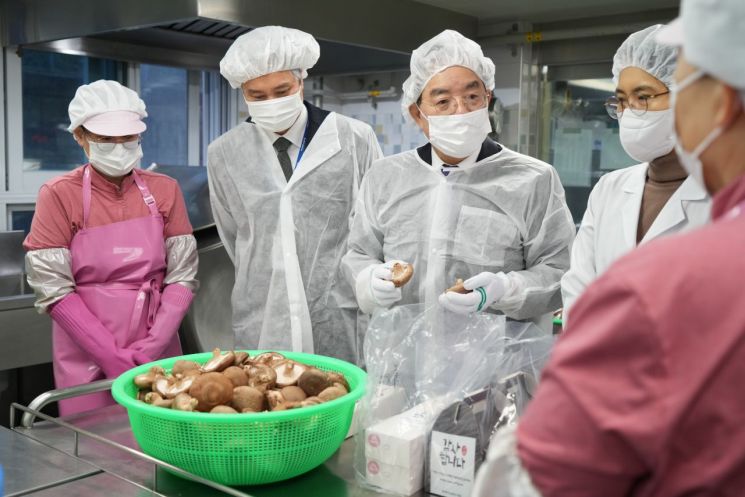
(466, 375)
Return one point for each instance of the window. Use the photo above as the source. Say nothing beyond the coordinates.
(583, 141)
(49, 81)
(395, 133)
(20, 217)
(165, 92)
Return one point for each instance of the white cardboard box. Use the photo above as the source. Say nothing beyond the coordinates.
(387, 402)
(401, 440)
(394, 479)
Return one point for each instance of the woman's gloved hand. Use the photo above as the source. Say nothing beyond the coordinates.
(484, 290)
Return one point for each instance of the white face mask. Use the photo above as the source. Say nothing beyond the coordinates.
(691, 161)
(277, 114)
(458, 135)
(648, 136)
(115, 162)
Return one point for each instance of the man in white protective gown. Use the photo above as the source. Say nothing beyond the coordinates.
(282, 188)
(461, 206)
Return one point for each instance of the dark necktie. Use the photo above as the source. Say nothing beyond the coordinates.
(446, 168)
(281, 145)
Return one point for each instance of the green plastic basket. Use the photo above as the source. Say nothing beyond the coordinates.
(243, 449)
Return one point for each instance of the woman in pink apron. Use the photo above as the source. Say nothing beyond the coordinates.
(111, 255)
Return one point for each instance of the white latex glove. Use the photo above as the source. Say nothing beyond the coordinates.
(487, 289)
(375, 289)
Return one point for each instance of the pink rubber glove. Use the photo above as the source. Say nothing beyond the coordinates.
(87, 331)
(174, 303)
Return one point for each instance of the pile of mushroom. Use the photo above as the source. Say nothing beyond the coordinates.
(234, 382)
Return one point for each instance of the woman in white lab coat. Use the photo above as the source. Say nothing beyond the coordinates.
(637, 204)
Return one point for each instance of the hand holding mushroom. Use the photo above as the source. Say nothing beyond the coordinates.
(475, 294)
(379, 285)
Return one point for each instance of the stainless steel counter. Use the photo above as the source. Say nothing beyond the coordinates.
(29, 464)
(100, 468)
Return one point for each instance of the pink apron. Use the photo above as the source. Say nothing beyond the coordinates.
(118, 270)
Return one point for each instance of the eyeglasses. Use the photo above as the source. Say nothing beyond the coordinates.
(638, 104)
(107, 143)
(449, 105)
(109, 146)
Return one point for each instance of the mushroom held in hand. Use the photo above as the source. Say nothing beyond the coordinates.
(219, 362)
(458, 287)
(313, 382)
(210, 390)
(248, 399)
(289, 372)
(402, 273)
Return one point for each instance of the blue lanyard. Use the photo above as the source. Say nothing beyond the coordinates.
(303, 145)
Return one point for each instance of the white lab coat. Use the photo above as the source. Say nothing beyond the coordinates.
(609, 226)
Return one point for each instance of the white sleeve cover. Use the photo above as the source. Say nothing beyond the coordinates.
(49, 273)
(182, 261)
(502, 474)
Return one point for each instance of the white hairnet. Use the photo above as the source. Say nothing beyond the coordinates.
(266, 50)
(447, 49)
(642, 50)
(103, 96)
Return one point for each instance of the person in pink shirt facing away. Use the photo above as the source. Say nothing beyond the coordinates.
(643, 395)
(111, 255)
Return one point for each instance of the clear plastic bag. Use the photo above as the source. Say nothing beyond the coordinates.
(467, 375)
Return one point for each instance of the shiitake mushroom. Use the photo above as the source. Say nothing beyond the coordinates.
(313, 381)
(236, 375)
(331, 393)
(294, 394)
(241, 358)
(182, 366)
(268, 358)
(261, 376)
(218, 362)
(401, 273)
(338, 378)
(311, 401)
(223, 410)
(210, 390)
(154, 398)
(170, 386)
(288, 372)
(145, 381)
(248, 399)
(184, 402)
(458, 287)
